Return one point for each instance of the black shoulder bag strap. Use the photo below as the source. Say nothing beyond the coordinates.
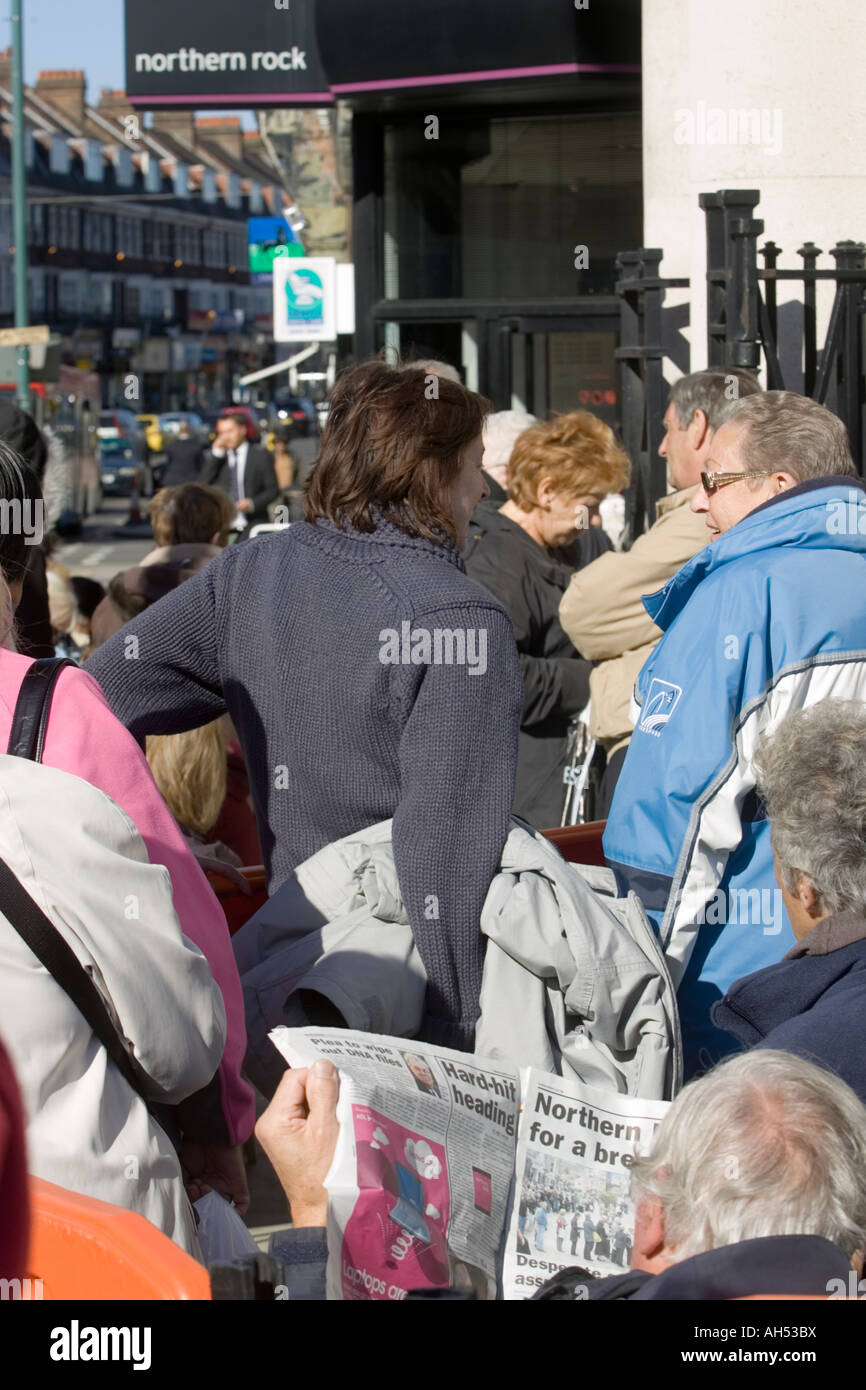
(30, 720)
(27, 740)
(46, 943)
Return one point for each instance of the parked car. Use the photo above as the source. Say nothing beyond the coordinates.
(122, 424)
(121, 470)
(300, 410)
(170, 424)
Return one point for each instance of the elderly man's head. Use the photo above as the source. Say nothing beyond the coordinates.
(771, 442)
(766, 1144)
(433, 366)
(502, 429)
(811, 773)
(700, 404)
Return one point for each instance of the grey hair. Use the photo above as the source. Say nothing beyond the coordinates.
(792, 434)
(501, 431)
(434, 367)
(811, 772)
(716, 392)
(766, 1144)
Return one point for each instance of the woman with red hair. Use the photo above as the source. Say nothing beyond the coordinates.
(524, 552)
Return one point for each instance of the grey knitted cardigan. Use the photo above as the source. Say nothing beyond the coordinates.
(290, 634)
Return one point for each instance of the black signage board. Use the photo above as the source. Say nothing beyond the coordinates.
(223, 53)
(369, 44)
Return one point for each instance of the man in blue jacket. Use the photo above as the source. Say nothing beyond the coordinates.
(769, 617)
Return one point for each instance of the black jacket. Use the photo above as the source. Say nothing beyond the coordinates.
(774, 1265)
(529, 582)
(260, 481)
(498, 493)
(185, 461)
(812, 1003)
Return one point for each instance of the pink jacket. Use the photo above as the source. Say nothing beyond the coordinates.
(84, 737)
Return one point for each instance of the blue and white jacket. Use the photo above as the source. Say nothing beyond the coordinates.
(769, 618)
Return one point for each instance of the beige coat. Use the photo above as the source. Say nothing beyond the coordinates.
(602, 612)
(78, 854)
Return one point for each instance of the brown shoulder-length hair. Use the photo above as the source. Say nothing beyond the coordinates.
(190, 512)
(393, 444)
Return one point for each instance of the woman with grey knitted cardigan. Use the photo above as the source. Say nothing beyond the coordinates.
(366, 675)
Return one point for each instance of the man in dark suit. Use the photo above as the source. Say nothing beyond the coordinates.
(244, 470)
(185, 458)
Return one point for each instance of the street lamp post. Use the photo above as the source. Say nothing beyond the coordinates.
(19, 204)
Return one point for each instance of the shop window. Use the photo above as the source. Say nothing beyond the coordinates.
(5, 285)
(37, 223)
(69, 294)
(36, 291)
(497, 206)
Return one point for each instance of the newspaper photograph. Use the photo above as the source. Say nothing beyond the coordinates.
(571, 1202)
(422, 1174)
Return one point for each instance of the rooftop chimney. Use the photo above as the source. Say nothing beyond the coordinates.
(179, 124)
(64, 89)
(224, 131)
(114, 104)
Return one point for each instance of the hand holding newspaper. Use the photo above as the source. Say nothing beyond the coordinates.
(457, 1171)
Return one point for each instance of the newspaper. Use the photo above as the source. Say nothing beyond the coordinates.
(438, 1180)
(571, 1202)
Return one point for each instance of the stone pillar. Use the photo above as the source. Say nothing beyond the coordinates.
(744, 95)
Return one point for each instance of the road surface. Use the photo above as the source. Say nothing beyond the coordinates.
(105, 546)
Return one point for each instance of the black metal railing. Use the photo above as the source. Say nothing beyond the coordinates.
(643, 389)
(743, 330)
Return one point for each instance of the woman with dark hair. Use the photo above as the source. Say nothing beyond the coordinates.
(22, 518)
(41, 454)
(366, 676)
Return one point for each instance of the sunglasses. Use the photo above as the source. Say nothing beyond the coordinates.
(711, 482)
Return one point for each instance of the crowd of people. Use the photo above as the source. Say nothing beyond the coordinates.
(556, 1218)
(413, 648)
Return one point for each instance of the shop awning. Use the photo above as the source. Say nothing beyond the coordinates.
(376, 46)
